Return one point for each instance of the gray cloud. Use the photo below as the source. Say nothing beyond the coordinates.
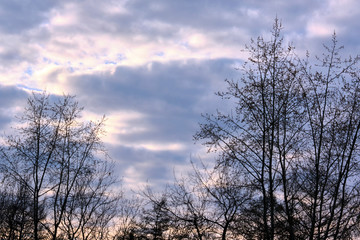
(10, 97)
(155, 167)
(170, 95)
(228, 22)
(19, 15)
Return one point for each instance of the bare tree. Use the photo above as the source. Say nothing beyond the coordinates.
(262, 137)
(92, 206)
(329, 179)
(52, 156)
(187, 204)
(155, 220)
(127, 222)
(294, 134)
(15, 212)
(206, 204)
(228, 198)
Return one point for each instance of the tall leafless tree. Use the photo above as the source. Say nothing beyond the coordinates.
(329, 175)
(294, 134)
(53, 155)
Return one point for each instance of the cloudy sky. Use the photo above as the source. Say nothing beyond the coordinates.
(151, 66)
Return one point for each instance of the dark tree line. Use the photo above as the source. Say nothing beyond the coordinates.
(287, 165)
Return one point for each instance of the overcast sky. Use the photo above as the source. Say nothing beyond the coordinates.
(151, 66)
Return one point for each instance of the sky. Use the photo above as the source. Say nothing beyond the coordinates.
(150, 66)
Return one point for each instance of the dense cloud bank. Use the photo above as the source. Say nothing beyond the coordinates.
(151, 67)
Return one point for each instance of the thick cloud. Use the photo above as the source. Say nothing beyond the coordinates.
(168, 94)
(17, 16)
(150, 66)
(168, 99)
(11, 100)
(138, 167)
(173, 85)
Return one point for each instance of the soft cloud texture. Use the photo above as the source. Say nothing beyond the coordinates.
(150, 66)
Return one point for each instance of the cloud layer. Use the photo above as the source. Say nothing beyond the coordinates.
(150, 66)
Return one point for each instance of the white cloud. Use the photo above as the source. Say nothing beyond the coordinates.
(122, 122)
(320, 29)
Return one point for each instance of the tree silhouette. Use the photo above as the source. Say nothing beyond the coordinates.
(293, 133)
(54, 158)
